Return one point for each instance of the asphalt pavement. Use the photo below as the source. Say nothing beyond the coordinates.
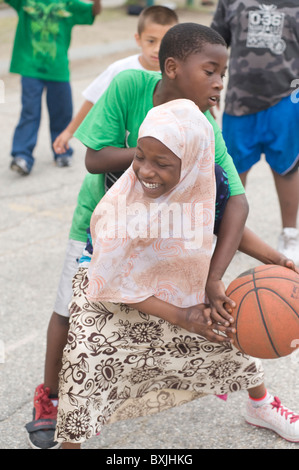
(36, 213)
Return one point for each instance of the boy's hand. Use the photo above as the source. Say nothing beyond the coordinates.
(97, 7)
(221, 305)
(60, 144)
(288, 263)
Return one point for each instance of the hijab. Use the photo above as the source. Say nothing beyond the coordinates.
(159, 247)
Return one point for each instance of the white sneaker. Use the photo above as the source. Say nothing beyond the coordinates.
(273, 415)
(288, 244)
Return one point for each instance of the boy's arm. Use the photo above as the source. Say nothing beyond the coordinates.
(104, 130)
(60, 144)
(220, 22)
(108, 159)
(223, 159)
(97, 7)
(16, 4)
(228, 240)
(231, 228)
(254, 246)
(251, 245)
(92, 94)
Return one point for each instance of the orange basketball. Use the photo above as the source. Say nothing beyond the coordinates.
(267, 311)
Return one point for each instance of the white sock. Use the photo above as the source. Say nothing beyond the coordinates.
(257, 402)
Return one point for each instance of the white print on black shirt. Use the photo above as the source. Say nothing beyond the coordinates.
(265, 29)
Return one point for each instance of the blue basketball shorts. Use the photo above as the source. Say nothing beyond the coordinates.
(273, 132)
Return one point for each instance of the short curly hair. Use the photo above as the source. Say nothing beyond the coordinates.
(185, 39)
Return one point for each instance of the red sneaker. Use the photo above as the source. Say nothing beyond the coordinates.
(42, 428)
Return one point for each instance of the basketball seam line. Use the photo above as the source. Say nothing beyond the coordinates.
(262, 315)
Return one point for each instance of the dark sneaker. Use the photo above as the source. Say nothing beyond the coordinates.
(63, 160)
(20, 165)
(41, 430)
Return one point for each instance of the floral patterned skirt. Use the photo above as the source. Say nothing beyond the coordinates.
(120, 363)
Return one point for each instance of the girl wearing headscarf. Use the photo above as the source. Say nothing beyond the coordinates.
(141, 338)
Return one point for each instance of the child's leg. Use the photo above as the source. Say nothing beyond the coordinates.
(56, 340)
(25, 135)
(281, 150)
(59, 322)
(69, 445)
(60, 107)
(257, 392)
(46, 395)
(243, 177)
(287, 187)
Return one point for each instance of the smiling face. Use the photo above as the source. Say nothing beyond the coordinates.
(200, 76)
(156, 167)
(149, 41)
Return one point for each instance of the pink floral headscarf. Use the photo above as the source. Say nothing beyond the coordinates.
(139, 253)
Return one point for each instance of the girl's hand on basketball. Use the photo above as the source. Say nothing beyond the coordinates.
(221, 305)
(197, 320)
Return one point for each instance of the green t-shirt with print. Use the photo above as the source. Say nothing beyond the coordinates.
(43, 36)
(114, 121)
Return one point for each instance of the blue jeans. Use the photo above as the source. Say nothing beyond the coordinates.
(60, 108)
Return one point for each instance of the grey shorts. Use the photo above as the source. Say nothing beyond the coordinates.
(64, 293)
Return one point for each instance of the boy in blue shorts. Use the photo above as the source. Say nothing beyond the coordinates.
(260, 116)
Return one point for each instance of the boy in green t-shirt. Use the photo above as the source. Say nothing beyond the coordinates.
(151, 26)
(40, 56)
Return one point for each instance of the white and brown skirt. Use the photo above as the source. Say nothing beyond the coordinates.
(120, 363)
